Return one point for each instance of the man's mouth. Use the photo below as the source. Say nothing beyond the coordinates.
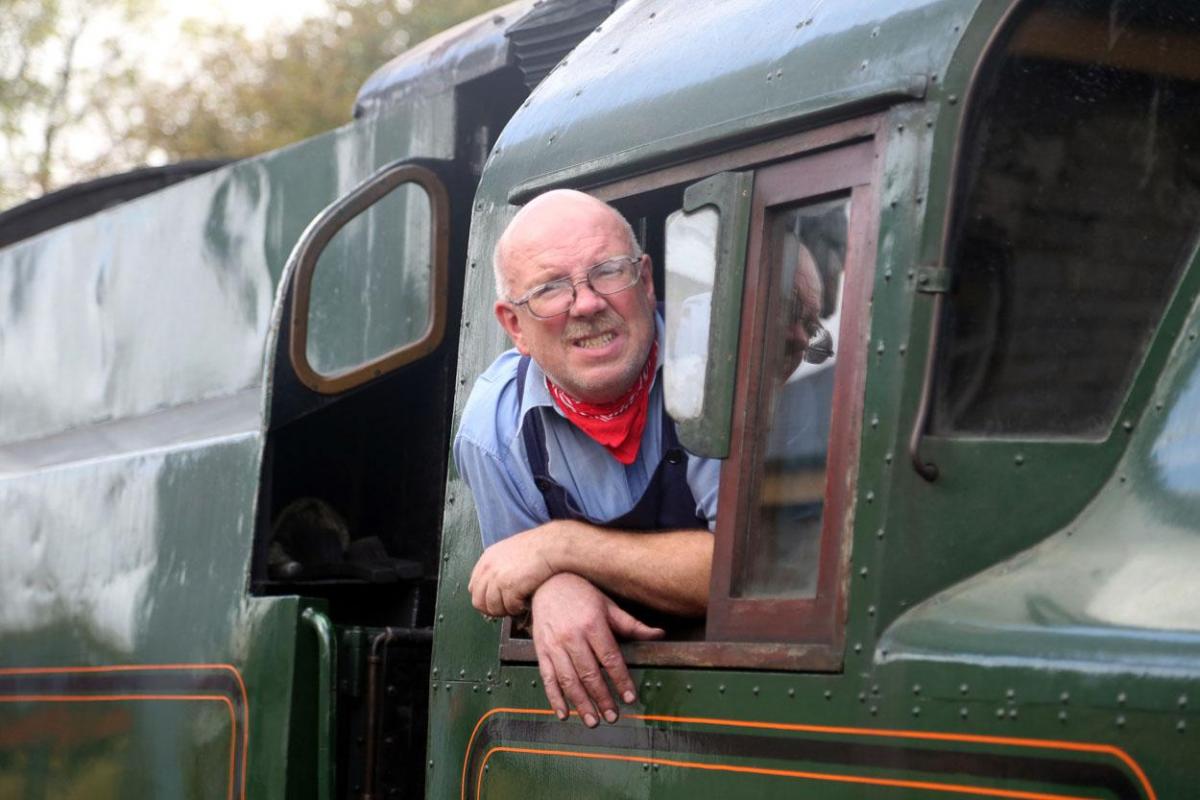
(593, 342)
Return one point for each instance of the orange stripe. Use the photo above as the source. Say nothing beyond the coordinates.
(1011, 794)
(1044, 744)
(108, 698)
(156, 668)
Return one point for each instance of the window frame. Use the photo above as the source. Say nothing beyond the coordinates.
(817, 642)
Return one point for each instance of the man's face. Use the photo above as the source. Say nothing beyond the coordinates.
(596, 350)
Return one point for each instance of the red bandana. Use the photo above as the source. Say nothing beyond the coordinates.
(617, 425)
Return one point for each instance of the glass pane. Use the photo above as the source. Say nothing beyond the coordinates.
(691, 264)
(371, 287)
(807, 252)
(1081, 190)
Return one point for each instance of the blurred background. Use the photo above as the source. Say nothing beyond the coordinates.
(94, 87)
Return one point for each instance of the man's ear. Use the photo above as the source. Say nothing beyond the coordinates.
(508, 318)
(648, 278)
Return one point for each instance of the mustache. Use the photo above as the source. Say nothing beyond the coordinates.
(583, 328)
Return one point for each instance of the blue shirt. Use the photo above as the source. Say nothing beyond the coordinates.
(490, 455)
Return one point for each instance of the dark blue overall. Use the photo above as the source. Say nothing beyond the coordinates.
(667, 503)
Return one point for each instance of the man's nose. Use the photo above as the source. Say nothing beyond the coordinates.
(587, 301)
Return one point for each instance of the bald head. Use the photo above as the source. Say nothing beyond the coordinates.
(557, 217)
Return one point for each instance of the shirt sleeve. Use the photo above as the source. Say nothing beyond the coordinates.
(704, 476)
(499, 501)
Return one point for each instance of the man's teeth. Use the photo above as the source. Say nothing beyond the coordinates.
(596, 341)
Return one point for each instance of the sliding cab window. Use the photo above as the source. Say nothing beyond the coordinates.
(767, 273)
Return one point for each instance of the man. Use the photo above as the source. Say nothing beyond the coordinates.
(566, 448)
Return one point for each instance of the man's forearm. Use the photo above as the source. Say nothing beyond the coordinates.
(666, 570)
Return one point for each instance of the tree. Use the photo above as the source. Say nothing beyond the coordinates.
(56, 57)
(75, 102)
(246, 96)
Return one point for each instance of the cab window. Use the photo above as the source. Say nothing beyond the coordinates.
(1079, 181)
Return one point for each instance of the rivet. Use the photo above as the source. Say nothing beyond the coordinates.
(1120, 720)
(874, 711)
(479, 206)
(870, 611)
(687, 687)
(1019, 459)
(755, 690)
(963, 688)
(1010, 693)
(1181, 726)
(916, 688)
(653, 14)
(916, 712)
(887, 458)
(870, 497)
(863, 572)
(928, 123)
(645, 767)
(488, 690)
(875, 688)
(1158, 406)
(952, 99)
(858, 647)
(874, 420)
(791, 692)
(658, 685)
(864, 65)
(778, 73)
(1062, 716)
(828, 695)
(475, 689)
(486, 767)
(1012, 713)
(431, 762)
(903, 349)
(1182, 702)
(1127, 425)
(879, 348)
(533, 683)
(1121, 698)
(879, 533)
(999, 713)
(721, 688)
(508, 681)
(962, 712)
(887, 274)
(441, 617)
(462, 673)
(467, 324)
(435, 672)
(862, 697)
(899, 127)
(657, 766)
(1065, 698)
(1124, 478)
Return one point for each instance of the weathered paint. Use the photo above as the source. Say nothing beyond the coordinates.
(1016, 662)
(136, 349)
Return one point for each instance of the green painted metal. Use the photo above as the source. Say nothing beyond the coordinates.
(972, 617)
(130, 460)
(729, 193)
(327, 688)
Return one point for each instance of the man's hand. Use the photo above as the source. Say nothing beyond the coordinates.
(510, 571)
(573, 627)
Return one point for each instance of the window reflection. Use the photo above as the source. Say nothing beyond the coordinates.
(807, 252)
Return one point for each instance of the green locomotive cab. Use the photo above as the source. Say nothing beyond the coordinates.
(930, 279)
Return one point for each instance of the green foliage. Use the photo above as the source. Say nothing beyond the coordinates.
(247, 96)
(75, 101)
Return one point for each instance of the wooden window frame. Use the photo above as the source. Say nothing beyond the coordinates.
(799, 634)
(817, 621)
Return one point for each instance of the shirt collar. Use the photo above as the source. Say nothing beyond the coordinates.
(536, 394)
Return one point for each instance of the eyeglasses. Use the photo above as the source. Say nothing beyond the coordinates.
(555, 298)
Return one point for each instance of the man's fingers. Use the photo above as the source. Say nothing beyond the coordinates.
(554, 695)
(587, 668)
(629, 626)
(494, 602)
(569, 683)
(611, 660)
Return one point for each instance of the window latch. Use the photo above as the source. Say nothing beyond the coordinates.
(933, 280)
